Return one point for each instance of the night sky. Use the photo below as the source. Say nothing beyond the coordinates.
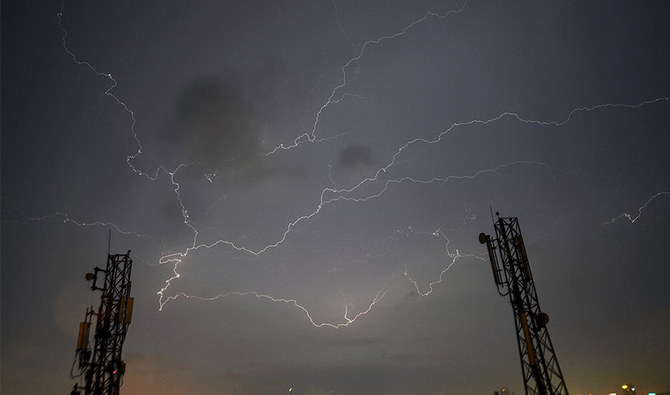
(302, 184)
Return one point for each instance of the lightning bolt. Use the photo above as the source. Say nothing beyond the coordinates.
(347, 320)
(109, 92)
(65, 217)
(310, 137)
(639, 210)
(332, 194)
(339, 25)
(455, 256)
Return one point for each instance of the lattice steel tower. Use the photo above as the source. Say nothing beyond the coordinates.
(103, 371)
(539, 365)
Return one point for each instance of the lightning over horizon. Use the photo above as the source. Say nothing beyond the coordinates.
(301, 186)
(367, 188)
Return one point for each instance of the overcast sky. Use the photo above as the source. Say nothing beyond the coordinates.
(302, 184)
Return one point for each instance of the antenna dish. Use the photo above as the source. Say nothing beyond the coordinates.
(482, 238)
(542, 319)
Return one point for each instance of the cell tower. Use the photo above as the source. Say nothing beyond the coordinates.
(539, 365)
(102, 367)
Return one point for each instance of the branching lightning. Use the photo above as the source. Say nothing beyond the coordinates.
(332, 194)
(347, 320)
(639, 210)
(310, 136)
(455, 256)
(65, 217)
(109, 92)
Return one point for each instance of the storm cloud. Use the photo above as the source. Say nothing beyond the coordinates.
(213, 124)
(412, 91)
(355, 157)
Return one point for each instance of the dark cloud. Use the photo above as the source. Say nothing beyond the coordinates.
(354, 157)
(213, 124)
(219, 83)
(226, 122)
(354, 162)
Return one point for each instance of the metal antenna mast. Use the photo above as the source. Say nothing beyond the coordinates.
(103, 371)
(539, 365)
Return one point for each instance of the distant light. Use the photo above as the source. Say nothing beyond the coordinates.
(651, 393)
(613, 393)
(625, 386)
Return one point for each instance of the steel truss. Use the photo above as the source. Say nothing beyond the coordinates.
(539, 365)
(103, 372)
